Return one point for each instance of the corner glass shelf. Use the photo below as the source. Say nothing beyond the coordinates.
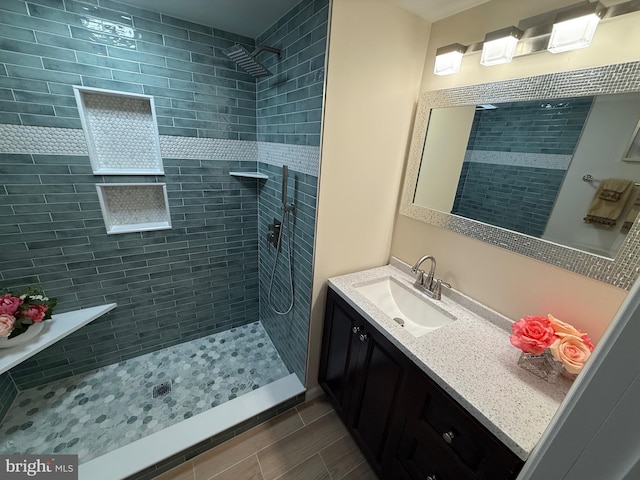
(134, 207)
(121, 132)
(56, 328)
(249, 175)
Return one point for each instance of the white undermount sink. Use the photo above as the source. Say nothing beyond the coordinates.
(405, 305)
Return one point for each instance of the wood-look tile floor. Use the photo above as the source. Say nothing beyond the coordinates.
(307, 442)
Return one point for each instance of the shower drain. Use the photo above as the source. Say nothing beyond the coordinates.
(161, 389)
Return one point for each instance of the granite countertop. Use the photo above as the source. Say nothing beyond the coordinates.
(470, 358)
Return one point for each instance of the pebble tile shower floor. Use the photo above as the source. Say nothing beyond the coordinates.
(99, 411)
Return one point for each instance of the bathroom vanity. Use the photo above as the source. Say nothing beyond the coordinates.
(447, 404)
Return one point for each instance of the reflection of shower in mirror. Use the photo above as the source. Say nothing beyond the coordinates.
(519, 165)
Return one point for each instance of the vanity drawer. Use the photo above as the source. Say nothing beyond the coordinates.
(434, 434)
(420, 455)
(456, 431)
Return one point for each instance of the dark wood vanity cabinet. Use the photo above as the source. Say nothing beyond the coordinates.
(361, 373)
(434, 437)
(406, 425)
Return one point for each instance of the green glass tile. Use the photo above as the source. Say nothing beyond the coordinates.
(136, 56)
(40, 74)
(103, 38)
(111, 85)
(70, 43)
(163, 50)
(97, 12)
(18, 107)
(166, 92)
(33, 49)
(71, 112)
(180, 132)
(16, 33)
(14, 6)
(80, 69)
(188, 46)
(54, 14)
(189, 67)
(59, 4)
(42, 121)
(131, 10)
(186, 25)
(33, 23)
(160, 28)
(139, 78)
(166, 72)
(215, 80)
(100, 61)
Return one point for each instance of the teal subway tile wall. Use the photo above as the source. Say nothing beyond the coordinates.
(204, 274)
(8, 393)
(289, 112)
(516, 161)
(290, 102)
(289, 332)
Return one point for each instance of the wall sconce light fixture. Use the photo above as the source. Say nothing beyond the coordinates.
(575, 28)
(449, 59)
(499, 46)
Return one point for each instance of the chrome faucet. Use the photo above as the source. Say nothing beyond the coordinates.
(425, 282)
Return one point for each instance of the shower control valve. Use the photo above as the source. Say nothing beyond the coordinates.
(274, 232)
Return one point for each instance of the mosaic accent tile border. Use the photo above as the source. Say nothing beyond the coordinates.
(42, 140)
(304, 159)
(96, 412)
(208, 148)
(519, 159)
(624, 269)
(70, 141)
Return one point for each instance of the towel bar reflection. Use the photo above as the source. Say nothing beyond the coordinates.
(589, 179)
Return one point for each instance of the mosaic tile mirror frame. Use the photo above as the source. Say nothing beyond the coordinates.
(620, 271)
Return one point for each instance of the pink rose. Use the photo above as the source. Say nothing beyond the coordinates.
(532, 334)
(35, 312)
(572, 352)
(9, 304)
(6, 324)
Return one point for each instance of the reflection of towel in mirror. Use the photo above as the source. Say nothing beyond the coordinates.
(632, 215)
(609, 201)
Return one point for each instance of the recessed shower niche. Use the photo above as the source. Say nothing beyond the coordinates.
(134, 207)
(121, 132)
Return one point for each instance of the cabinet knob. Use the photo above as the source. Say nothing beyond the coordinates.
(432, 477)
(448, 437)
(363, 337)
(356, 329)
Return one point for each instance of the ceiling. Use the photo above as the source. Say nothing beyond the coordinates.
(252, 17)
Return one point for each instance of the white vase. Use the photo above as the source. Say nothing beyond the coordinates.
(33, 331)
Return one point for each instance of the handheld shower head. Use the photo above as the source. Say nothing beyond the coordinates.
(285, 181)
(247, 60)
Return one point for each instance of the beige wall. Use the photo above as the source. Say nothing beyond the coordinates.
(447, 146)
(512, 284)
(375, 60)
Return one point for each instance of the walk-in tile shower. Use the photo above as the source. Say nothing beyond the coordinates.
(193, 328)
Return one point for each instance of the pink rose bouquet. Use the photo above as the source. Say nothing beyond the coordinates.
(19, 310)
(566, 343)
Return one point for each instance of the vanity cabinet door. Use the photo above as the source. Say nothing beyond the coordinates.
(433, 436)
(379, 373)
(339, 352)
(362, 374)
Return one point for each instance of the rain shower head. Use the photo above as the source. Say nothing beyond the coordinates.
(247, 60)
